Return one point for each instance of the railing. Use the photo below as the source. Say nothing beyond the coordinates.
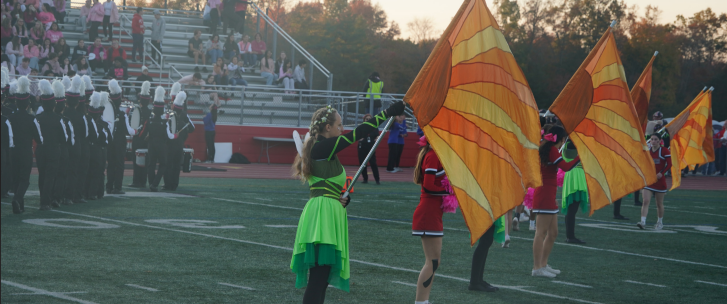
(123, 19)
(152, 49)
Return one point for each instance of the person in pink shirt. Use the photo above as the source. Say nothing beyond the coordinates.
(32, 52)
(46, 16)
(85, 10)
(97, 55)
(60, 10)
(30, 16)
(37, 33)
(111, 16)
(53, 33)
(95, 17)
(258, 48)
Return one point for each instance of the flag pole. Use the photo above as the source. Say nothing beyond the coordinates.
(363, 165)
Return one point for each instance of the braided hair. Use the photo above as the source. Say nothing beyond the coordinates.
(321, 118)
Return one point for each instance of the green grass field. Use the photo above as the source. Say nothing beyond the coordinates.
(231, 243)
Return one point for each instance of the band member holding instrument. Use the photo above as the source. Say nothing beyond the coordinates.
(176, 146)
(140, 173)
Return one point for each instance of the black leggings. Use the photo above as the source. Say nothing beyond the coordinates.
(315, 293)
(362, 153)
(570, 220)
(480, 256)
(209, 138)
(395, 151)
(108, 25)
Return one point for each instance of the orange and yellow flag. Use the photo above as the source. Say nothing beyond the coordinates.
(477, 111)
(596, 110)
(691, 136)
(641, 94)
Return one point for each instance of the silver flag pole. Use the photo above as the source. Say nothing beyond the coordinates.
(363, 165)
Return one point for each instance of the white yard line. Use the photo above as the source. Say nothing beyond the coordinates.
(40, 294)
(281, 226)
(711, 283)
(403, 283)
(672, 209)
(142, 287)
(572, 284)
(667, 227)
(642, 283)
(236, 286)
(59, 295)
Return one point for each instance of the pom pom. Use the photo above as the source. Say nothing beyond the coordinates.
(528, 199)
(449, 203)
(561, 176)
(45, 87)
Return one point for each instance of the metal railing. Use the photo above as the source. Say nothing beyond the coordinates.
(123, 19)
(152, 49)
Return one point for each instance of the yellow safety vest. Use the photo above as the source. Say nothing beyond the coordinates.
(375, 88)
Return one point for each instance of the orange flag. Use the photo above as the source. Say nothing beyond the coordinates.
(691, 136)
(596, 110)
(641, 94)
(477, 111)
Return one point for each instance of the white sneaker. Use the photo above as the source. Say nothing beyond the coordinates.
(532, 226)
(551, 270)
(641, 225)
(397, 169)
(515, 224)
(506, 244)
(658, 226)
(543, 273)
(524, 217)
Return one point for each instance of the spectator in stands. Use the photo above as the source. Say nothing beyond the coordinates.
(97, 55)
(111, 16)
(195, 49)
(214, 48)
(6, 31)
(63, 49)
(17, 10)
(32, 53)
(229, 18)
(51, 6)
(299, 75)
(81, 67)
(210, 120)
(143, 77)
(230, 48)
(53, 65)
(5, 13)
(267, 68)
(60, 14)
(115, 51)
(14, 50)
(54, 33)
(258, 49)
(241, 10)
(137, 34)
(46, 16)
(30, 16)
(45, 50)
(118, 71)
(19, 30)
(5, 61)
(24, 68)
(219, 70)
(286, 77)
(245, 48)
(194, 79)
(214, 16)
(95, 17)
(85, 10)
(235, 71)
(79, 51)
(37, 33)
(210, 87)
(158, 28)
(65, 66)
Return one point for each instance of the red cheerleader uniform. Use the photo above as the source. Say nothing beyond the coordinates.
(428, 215)
(544, 196)
(662, 163)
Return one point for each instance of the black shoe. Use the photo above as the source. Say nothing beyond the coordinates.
(45, 208)
(638, 204)
(79, 201)
(483, 286)
(365, 182)
(55, 204)
(377, 182)
(620, 217)
(574, 241)
(16, 208)
(66, 202)
(153, 189)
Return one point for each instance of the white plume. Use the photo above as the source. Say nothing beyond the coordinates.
(76, 84)
(82, 88)
(145, 88)
(5, 77)
(66, 82)
(23, 85)
(95, 100)
(176, 87)
(179, 100)
(58, 89)
(159, 94)
(87, 82)
(13, 87)
(114, 86)
(45, 87)
(105, 100)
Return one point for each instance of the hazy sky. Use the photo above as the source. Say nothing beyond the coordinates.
(442, 11)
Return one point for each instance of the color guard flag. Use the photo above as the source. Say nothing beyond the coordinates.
(641, 94)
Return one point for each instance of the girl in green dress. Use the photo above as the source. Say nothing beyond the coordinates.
(575, 194)
(321, 241)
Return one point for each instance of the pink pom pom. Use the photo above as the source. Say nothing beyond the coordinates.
(528, 200)
(449, 203)
(561, 175)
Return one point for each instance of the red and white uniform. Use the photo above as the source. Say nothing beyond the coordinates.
(544, 196)
(428, 215)
(662, 163)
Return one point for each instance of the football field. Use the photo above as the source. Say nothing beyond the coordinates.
(230, 241)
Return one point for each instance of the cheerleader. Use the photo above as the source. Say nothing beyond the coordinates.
(544, 204)
(321, 241)
(662, 163)
(575, 194)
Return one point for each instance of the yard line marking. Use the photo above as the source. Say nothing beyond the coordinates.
(701, 207)
(263, 199)
(402, 283)
(711, 283)
(236, 286)
(518, 288)
(515, 237)
(682, 211)
(572, 284)
(282, 226)
(142, 287)
(642, 283)
(707, 230)
(58, 295)
(40, 294)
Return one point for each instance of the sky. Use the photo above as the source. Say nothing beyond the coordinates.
(442, 11)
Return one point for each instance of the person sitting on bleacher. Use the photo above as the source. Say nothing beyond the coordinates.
(115, 52)
(46, 16)
(235, 71)
(195, 50)
(81, 67)
(79, 51)
(143, 77)
(97, 55)
(299, 75)
(53, 65)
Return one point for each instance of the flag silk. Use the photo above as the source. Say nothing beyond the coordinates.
(478, 113)
(596, 110)
(691, 136)
(641, 94)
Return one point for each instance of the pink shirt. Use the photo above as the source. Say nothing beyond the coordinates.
(213, 3)
(258, 47)
(54, 36)
(46, 17)
(33, 52)
(97, 13)
(84, 11)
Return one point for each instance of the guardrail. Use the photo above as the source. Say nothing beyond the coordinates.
(152, 49)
